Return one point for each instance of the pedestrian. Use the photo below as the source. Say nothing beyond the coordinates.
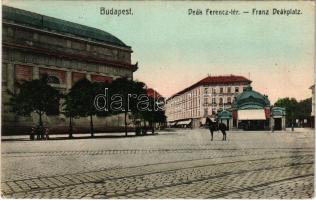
(46, 134)
(32, 136)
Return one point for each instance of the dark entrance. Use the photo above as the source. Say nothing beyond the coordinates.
(277, 124)
(252, 125)
(226, 122)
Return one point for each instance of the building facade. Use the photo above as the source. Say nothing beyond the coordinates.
(277, 119)
(205, 98)
(35, 44)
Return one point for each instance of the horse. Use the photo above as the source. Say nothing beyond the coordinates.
(215, 126)
(222, 127)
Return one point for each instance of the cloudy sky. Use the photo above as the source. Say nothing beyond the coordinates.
(175, 50)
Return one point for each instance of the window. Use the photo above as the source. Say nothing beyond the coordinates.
(213, 90)
(205, 90)
(236, 89)
(53, 79)
(213, 100)
(220, 100)
(229, 90)
(221, 90)
(229, 100)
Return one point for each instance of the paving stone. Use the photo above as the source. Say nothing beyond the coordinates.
(180, 164)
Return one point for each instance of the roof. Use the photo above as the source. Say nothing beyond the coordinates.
(215, 80)
(278, 111)
(153, 93)
(43, 22)
(225, 114)
(250, 99)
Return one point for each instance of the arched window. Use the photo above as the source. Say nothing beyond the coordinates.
(53, 79)
(220, 100)
(229, 100)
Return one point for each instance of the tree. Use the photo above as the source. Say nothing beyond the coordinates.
(304, 108)
(294, 109)
(123, 97)
(81, 100)
(70, 111)
(34, 96)
(153, 114)
(99, 88)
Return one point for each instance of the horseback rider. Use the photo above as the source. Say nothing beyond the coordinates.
(212, 126)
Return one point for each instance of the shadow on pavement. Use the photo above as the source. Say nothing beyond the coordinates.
(64, 137)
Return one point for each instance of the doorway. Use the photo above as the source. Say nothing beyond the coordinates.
(277, 124)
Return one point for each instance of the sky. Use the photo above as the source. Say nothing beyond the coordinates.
(175, 50)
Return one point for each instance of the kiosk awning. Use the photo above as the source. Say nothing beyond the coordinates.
(257, 114)
(185, 122)
(172, 123)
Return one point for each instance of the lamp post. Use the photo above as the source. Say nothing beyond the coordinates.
(292, 116)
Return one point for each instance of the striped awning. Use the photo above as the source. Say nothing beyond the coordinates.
(172, 123)
(185, 122)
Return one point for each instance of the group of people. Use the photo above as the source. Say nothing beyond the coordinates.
(216, 126)
(40, 132)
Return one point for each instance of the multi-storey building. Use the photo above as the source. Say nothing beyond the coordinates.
(35, 44)
(204, 99)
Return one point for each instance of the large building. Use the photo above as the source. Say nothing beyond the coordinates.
(205, 98)
(34, 44)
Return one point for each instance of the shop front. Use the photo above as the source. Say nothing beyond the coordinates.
(251, 110)
(277, 119)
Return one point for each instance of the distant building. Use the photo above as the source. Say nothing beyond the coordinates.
(34, 44)
(313, 106)
(154, 94)
(191, 106)
(160, 100)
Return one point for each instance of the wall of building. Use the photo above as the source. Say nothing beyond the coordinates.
(40, 39)
(27, 53)
(202, 101)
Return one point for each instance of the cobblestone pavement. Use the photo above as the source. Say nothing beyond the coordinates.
(176, 164)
